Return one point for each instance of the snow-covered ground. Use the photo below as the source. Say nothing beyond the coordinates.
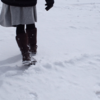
(68, 66)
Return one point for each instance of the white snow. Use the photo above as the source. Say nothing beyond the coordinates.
(68, 66)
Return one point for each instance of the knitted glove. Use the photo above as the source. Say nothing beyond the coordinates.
(49, 4)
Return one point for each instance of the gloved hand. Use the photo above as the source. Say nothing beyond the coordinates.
(49, 4)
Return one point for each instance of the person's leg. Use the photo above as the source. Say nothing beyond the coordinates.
(20, 29)
(31, 31)
(30, 26)
(23, 44)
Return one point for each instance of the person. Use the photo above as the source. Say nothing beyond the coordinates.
(22, 14)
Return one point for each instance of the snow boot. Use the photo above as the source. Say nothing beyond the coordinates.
(32, 37)
(22, 42)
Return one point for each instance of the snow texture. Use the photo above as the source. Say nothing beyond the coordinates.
(68, 66)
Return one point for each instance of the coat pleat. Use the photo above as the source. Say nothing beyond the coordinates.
(12, 15)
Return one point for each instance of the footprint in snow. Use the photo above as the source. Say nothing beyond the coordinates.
(33, 95)
(98, 94)
(59, 64)
(73, 27)
(47, 66)
(97, 90)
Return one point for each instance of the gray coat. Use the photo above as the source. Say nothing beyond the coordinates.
(11, 15)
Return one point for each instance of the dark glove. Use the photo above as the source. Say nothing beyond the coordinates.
(49, 4)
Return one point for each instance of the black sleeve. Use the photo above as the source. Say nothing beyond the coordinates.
(49, 1)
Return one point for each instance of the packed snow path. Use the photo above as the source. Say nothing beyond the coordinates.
(68, 66)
